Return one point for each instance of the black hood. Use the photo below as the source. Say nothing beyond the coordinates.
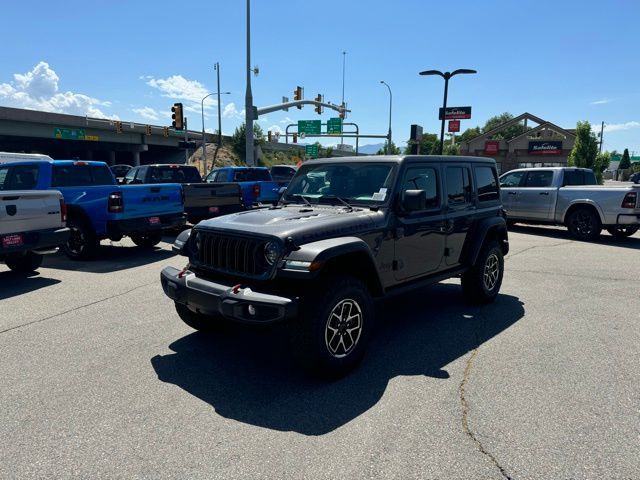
(303, 224)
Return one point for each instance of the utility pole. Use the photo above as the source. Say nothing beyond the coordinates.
(217, 67)
(186, 139)
(390, 105)
(601, 136)
(344, 60)
(248, 99)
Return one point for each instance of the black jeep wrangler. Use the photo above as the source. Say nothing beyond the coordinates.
(347, 231)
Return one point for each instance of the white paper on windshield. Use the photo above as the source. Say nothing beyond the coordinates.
(380, 195)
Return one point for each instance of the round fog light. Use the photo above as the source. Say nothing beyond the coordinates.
(252, 310)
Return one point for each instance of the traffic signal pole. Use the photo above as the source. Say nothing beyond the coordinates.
(295, 103)
(248, 99)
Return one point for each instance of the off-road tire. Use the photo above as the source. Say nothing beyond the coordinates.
(82, 243)
(24, 263)
(200, 322)
(584, 224)
(147, 240)
(336, 322)
(481, 284)
(622, 232)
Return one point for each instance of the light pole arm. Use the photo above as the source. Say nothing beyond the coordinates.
(295, 103)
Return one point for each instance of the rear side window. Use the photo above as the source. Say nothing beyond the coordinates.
(458, 186)
(511, 180)
(539, 179)
(172, 174)
(71, 176)
(487, 184)
(19, 177)
(578, 177)
(251, 175)
(423, 178)
(281, 174)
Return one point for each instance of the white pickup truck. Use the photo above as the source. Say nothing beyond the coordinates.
(571, 197)
(32, 223)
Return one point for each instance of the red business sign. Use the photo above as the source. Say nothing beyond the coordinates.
(545, 147)
(454, 126)
(491, 147)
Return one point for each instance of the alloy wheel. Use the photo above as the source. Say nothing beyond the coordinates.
(491, 272)
(344, 328)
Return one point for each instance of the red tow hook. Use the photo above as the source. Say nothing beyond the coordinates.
(236, 288)
(183, 272)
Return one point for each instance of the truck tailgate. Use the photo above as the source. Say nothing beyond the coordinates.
(26, 210)
(149, 200)
(269, 192)
(211, 194)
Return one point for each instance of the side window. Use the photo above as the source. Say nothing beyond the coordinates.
(511, 180)
(3, 177)
(22, 177)
(539, 179)
(102, 175)
(423, 178)
(71, 176)
(458, 186)
(487, 184)
(141, 174)
(128, 178)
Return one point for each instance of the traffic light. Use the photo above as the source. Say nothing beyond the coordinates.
(297, 95)
(319, 108)
(118, 126)
(295, 138)
(178, 119)
(165, 131)
(343, 113)
(148, 129)
(269, 136)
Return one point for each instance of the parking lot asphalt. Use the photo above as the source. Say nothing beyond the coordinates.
(100, 379)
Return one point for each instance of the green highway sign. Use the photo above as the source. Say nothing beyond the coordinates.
(309, 127)
(311, 151)
(68, 134)
(334, 126)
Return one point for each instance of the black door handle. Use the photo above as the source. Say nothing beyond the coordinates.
(512, 193)
(544, 193)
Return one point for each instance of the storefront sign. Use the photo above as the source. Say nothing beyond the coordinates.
(456, 113)
(491, 147)
(454, 126)
(545, 147)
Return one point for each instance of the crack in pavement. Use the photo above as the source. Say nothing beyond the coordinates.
(77, 308)
(566, 242)
(465, 408)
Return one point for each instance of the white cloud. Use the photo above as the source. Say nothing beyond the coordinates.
(276, 128)
(263, 119)
(286, 120)
(147, 112)
(230, 111)
(601, 102)
(178, 87)
(38, 90)
(614, 127)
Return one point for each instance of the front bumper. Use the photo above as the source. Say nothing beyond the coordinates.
(210, 298)
(40, 241)
(143, 224)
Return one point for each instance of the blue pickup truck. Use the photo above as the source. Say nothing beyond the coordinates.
(98, 208)
(256, 183)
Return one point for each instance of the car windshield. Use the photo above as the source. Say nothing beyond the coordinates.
(175, 174)
(364, 183)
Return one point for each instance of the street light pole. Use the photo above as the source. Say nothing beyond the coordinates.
(344, 60)
(248, 99)
(217, 67)
(446, 76)
(390, 106)
(204, 142)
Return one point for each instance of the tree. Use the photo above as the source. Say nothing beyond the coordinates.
(430, 145)
(469, 133)
(603, 160)
(508, 133)
(625, 163)
(238, 139)
(585, 148)
(394, 150)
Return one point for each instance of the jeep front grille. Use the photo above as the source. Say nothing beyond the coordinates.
(236, 255)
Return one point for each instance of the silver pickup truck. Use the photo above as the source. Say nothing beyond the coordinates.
(571, 197)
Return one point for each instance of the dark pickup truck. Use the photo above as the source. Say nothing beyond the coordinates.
(346, 231)
(201, 200)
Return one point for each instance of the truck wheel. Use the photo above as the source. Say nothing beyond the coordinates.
(622, 232)
(147, 240)
(200, 322)
(24, 263)
(584, 224)
(331, 335)
(82, 243)
(481, 284)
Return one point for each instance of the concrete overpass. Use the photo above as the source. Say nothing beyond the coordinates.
(64, 136)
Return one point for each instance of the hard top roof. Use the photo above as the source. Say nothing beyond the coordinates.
(403, 158)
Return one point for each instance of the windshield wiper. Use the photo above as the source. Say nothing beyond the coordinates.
(304, 199)
(341, 200)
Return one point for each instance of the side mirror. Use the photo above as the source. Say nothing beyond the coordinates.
(414, 200)
(180, 243)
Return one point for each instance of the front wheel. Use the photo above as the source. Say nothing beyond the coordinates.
(481, 284)
(623, 232)
(331, 335)
(584, 224)
(147, 240)
(24, 263)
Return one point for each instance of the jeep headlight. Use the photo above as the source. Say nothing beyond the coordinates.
(271, 252)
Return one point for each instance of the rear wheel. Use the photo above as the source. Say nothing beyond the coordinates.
(82, 243)
(147, 240)
(25, 262)
(622, 232)
(203, 323)
(331, 335)
(584, 224)
(481, 284)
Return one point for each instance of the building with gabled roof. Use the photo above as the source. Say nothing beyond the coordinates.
(545, 144)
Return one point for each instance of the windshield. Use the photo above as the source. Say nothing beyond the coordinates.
(368, 183)
(174, 174)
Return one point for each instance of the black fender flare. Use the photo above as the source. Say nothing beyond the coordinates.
(353, 250)
(493, 227)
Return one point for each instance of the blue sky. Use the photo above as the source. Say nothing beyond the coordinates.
(563, 61)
